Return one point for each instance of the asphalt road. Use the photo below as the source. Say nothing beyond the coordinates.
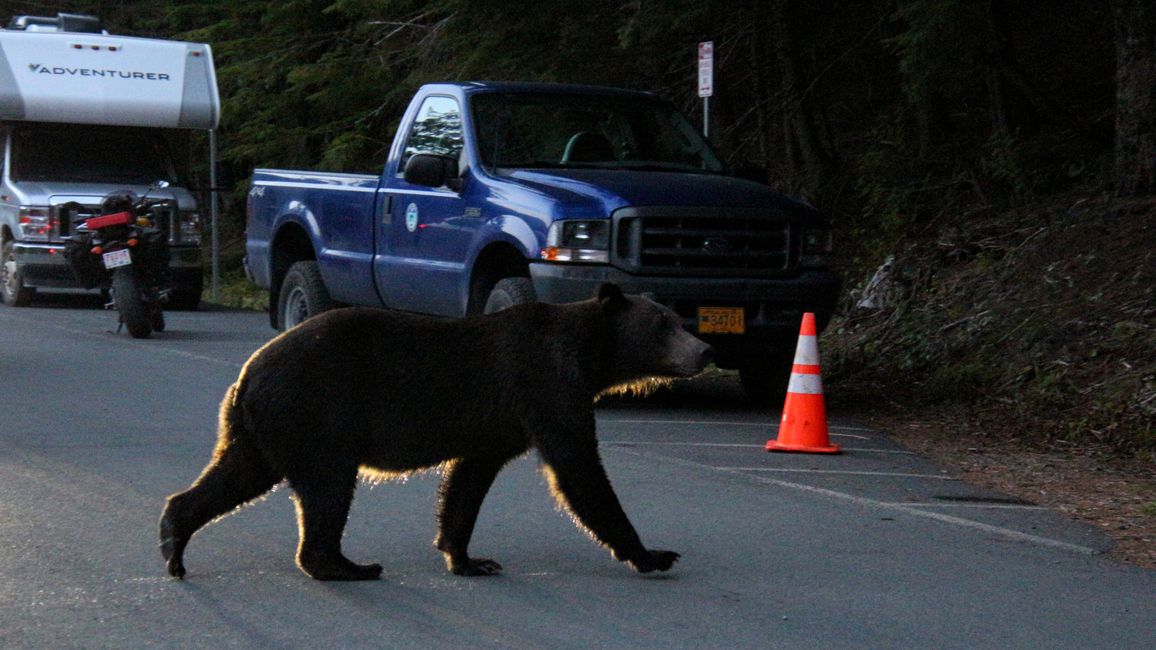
(875, 548)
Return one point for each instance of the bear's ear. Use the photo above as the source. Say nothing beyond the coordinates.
(609, 294)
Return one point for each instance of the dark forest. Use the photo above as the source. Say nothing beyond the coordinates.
(990, 164)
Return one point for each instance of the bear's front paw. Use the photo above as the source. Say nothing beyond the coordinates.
(476, 567)
(653, 561)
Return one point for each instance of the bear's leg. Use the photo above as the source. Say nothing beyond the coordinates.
(322, 508)
(466, 482)
(237, 474)
(579, 483)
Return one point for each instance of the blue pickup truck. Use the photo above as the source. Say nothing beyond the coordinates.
(500, 193)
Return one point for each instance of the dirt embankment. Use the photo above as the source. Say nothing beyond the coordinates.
(1020, 349)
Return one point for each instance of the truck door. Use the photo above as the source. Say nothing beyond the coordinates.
(425, 232)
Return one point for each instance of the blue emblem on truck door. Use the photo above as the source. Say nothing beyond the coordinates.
(411, 217)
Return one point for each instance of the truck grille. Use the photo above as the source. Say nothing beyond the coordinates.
(742, 245)
(64, 218)
(164, 218)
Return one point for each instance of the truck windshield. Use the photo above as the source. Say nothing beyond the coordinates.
(561, 130)
(80, 154)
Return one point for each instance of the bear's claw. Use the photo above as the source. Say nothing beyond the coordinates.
(654, 561)
(171, 551)
(337, 567)
(477, 567)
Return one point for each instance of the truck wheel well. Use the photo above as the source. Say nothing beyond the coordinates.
(290, 245)
(497, 261)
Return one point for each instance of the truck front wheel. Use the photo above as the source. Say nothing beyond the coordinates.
(303, 294)
(509, 292)
(12, 289)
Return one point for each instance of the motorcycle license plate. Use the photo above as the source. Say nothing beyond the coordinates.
(721, 320)
(114, 259)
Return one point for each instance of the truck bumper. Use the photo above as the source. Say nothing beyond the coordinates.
(44, 266)
(773, 307)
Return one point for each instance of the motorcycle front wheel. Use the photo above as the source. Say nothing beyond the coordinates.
(132, 309)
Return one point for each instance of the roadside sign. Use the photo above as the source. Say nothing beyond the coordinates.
(706, 69)
(706, 81)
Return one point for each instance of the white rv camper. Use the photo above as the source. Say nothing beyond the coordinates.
(83, 114)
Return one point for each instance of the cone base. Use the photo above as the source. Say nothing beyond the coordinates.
(774, 445)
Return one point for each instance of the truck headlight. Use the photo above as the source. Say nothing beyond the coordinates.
(35, 223)
(578, 241)
(817, 244)
(189, 228)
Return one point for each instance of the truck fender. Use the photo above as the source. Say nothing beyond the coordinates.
(294, 240)
(504, 250)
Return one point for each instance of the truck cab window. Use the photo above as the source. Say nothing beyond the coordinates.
(437, 130)
(550, 130)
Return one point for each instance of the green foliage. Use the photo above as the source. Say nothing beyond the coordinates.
(919, 116)
(235, 290)
(940, 46)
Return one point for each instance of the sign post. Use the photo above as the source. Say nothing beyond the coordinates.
(706, 82)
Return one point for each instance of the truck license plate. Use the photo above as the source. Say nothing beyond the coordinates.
(114, 259)
(721, 320)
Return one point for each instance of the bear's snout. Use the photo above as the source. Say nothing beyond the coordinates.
(691, 357)
(705, 356)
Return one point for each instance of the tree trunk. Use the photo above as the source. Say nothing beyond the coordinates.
(1135, 27)
(805, 146)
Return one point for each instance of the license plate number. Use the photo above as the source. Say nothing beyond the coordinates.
(721, 320)
(114, 259)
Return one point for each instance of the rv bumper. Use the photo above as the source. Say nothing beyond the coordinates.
(44, 266)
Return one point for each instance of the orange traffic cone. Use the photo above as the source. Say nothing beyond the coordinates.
(804, 424)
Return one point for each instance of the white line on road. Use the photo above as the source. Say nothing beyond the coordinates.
(766, 425)
(640, 443)
(109, 336)
(979, 506)
(789, 470)
(1006, 533)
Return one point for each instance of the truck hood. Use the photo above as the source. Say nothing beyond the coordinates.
(49, 193)
(604, 191)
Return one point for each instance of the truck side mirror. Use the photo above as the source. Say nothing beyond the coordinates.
(430, 170)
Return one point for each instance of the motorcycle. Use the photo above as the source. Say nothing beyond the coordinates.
(124, 251)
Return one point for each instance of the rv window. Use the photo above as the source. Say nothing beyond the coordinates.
(80, 154)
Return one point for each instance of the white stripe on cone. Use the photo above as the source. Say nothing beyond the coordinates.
(805, 384)
(807, 351)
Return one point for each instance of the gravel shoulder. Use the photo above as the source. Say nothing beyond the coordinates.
(1088, 483)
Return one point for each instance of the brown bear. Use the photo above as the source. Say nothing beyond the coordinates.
(388, 393)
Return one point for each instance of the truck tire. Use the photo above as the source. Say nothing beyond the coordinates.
(303, 295)
(129, 304)
(12, 289)
(509, 292)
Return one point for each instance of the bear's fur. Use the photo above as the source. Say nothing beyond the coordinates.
(389, 393)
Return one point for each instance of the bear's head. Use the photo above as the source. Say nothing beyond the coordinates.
(648, 339)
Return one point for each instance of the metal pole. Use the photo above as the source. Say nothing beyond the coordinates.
(215, 215)
(706, 117)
